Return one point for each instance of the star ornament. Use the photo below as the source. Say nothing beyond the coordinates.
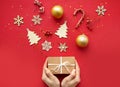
(101, 10)
(63, 47)
(46, 45)
(18, 20)
(36, 19)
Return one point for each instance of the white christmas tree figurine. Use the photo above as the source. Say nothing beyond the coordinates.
(33, 37)
(62, 30)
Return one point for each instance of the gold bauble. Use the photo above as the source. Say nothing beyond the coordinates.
(82, 40)
(57, 11)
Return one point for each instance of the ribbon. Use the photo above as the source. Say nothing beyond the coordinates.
(60, 66)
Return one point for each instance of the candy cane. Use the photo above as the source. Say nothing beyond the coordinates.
(81, 19)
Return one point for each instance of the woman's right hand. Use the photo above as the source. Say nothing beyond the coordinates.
(73, 79)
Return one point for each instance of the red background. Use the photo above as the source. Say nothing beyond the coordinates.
(21, 64)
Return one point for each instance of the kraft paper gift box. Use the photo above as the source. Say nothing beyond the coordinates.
(61, 65)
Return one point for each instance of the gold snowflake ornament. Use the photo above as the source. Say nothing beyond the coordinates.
(18, 20)
(36, 19)
(63, 47)
(101, 10)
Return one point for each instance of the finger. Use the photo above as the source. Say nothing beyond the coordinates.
(45, 78)
(44, 67)
(44, 73)
(49, 74)
(70, 77)
(45, 64)
(76, 80)
(77, 70)
(72, 74)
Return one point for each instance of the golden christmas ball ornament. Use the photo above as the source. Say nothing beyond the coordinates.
(57, 11)
(82, 40)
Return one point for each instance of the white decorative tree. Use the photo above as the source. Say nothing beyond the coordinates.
(33, 37)
(62, 30)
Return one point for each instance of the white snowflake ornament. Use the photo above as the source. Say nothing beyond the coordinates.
(18, 20)
(33, 37)
(46, 45)
(63, 47)
(62, 31)
(101, 10)
(36, 19)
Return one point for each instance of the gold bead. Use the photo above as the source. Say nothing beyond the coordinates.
(82, 40)
(57, 11)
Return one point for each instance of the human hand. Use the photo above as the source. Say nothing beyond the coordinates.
(49, 79)
(73, 79)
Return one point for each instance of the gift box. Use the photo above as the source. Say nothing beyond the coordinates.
(61, 65)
